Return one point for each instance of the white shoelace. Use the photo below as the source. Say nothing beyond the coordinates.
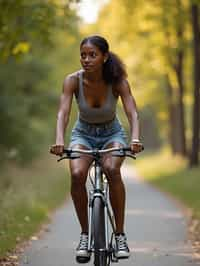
(83, 242)
(121, 242)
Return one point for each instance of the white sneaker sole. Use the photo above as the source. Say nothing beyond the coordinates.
(82, 253)
(122, 255)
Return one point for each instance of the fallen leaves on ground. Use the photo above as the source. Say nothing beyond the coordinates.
(194, 230)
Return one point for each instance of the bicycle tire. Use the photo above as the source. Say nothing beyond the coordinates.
(100, 253)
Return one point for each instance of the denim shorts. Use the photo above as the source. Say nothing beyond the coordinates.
(97, 135)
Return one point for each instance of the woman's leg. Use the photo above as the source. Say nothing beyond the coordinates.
(117, 198)
(111, 166)
(79, 169)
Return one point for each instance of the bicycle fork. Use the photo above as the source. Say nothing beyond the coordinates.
(97, 191)
(101, 190)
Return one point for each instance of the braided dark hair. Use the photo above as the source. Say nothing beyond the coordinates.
(113, 69)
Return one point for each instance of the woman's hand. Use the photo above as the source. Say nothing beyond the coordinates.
(57, 149)
(136, 146)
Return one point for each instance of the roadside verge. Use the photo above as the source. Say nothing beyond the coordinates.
(27, 196)
(171, 175)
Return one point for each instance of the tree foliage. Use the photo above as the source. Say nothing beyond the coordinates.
(37, 40)
(154, 38)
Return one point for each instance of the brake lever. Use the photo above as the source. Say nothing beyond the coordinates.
(118, 155)
(68, 157)
(123, 153)
(131, 156)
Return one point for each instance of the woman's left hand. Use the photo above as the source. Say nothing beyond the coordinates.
(136, 146)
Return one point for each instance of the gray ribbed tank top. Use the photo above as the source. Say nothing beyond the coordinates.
(94, 115)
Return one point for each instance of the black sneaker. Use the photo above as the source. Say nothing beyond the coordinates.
(122, 250)
(82, 253)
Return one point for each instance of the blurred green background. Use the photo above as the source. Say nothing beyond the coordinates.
(158, 40)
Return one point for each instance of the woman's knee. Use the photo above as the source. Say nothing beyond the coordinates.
(78, 177)
(112, 172)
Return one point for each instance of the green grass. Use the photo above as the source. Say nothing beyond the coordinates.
(171, 174)
(27, 195)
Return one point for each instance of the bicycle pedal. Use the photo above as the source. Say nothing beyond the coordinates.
(114, 259)
(82, 259)
(123, 258)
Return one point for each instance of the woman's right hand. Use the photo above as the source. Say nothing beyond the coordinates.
(57, 149)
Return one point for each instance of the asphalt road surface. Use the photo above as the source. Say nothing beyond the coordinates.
(155, 226)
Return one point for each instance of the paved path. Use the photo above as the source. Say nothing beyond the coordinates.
(156, 232)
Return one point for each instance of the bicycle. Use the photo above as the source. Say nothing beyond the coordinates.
(101, 240)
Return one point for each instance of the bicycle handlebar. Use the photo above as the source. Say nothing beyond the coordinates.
(123, 151)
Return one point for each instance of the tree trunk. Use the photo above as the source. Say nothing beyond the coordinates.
(172, 110)
(175, 60)
(194, 158)
(179, 73)
(180, 105)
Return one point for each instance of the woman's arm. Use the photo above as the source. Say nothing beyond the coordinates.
(69, 86)
(130, 108)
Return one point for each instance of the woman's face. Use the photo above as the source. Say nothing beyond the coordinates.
(91, 57)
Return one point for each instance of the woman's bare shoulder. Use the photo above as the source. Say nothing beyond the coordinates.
(71, 81)
(122, 86)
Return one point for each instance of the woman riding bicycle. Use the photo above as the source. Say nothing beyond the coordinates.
(97, 87)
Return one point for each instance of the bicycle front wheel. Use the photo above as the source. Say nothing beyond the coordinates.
(100, 253)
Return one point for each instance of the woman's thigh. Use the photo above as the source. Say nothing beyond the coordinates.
(79, 167)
